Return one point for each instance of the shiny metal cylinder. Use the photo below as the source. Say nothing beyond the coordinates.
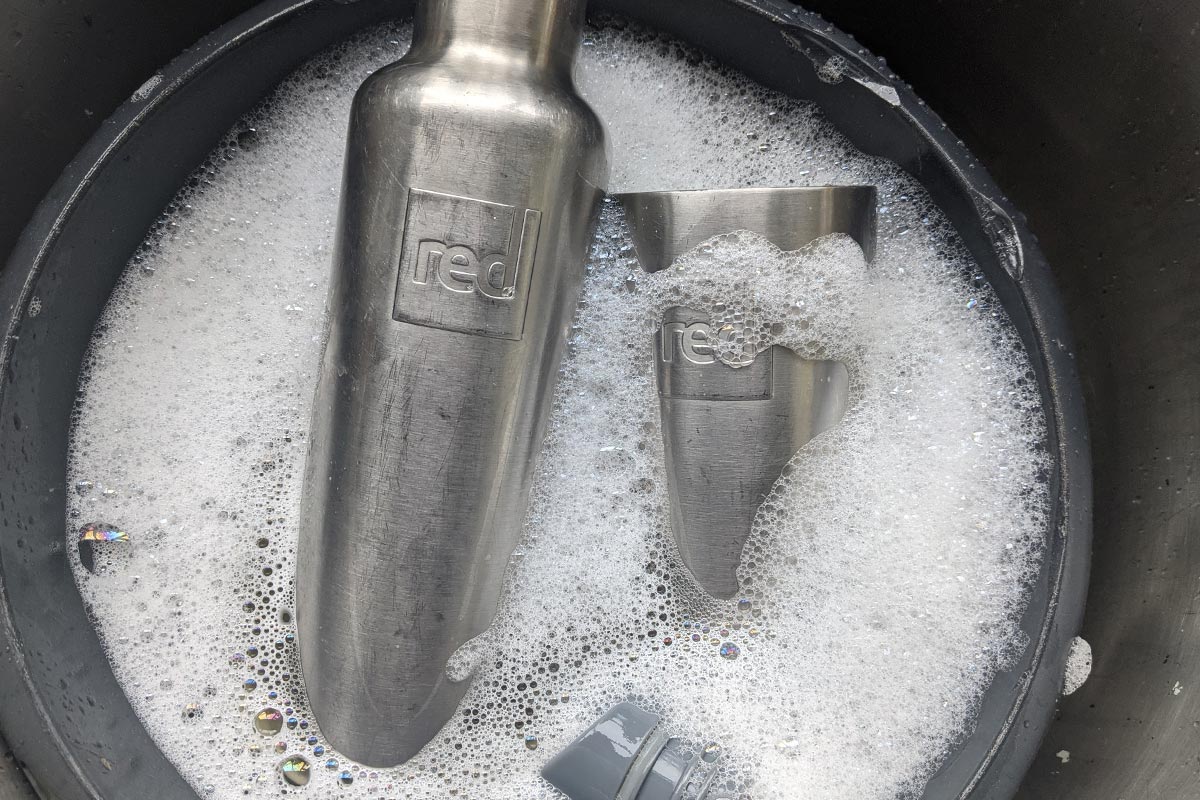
(472, 179)
(729, 432)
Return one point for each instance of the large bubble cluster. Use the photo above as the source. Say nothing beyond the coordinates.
(883, 576)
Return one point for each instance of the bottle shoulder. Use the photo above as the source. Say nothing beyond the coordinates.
(456, 117)
(418, 91)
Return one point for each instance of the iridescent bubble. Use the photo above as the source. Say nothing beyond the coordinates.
(94, 535)
(269, 721)
(743, 604)
(710, 753)
(319, 750)
(295, 770)
(250, 684)
(531, 742)
(730, 650)
(292, 722)
(331, 764)
(345, 777)
(281, 747)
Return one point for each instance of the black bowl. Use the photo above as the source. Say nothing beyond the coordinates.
(60, 705)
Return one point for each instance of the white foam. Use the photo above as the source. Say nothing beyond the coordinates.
(1079, 666)
(143, 91)
(883, 575)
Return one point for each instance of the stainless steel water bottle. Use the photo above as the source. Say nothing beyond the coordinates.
(472, 179)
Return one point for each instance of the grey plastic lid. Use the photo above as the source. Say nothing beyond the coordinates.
(596, 765)
(624, 757)
(670, 773)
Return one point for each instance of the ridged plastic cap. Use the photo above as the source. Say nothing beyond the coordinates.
(624, 757)
(596, 765)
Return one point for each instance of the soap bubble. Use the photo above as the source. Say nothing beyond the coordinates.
(295, 770)
(268, 722)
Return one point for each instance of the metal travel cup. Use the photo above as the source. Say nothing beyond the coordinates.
(729, 432)
(472, 181)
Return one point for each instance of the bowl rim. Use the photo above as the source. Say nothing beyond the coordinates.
(873, 98)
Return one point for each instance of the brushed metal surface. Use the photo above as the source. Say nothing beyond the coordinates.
(728, 432)
(666, 225)
(472, 179)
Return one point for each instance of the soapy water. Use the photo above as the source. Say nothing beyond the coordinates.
(881, 583)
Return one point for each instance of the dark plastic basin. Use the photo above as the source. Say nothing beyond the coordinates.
(60, 706)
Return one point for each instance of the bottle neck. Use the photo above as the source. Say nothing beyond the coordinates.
(540, 33)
